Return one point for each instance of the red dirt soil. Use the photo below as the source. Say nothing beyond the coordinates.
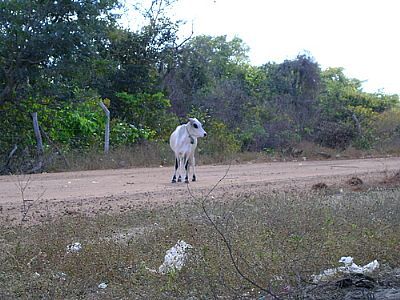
(113, 191)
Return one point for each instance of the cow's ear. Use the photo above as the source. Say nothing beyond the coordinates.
(191, 120)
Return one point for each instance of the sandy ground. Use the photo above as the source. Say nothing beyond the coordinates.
(104, 191)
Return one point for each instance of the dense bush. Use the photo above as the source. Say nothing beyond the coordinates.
(386, 130)
(335, 135)
(150, 111)
(220, 143)
(77, 126)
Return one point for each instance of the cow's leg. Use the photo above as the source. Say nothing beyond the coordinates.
(193, 163)
(187, 166)
(181, 163)
(176, 168)
(187, 171)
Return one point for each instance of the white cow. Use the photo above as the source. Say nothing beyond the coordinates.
(183, 142)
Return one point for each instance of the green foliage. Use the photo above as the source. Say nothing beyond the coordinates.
(299, 78)
(215, 58)
(127, 134)
(208, 69)
(254, 136)
(386, 129)
(78, 126)
(17, 128)
(47, 46)
(221, 142)
(71, 126)
(148, 112)
(344, 105)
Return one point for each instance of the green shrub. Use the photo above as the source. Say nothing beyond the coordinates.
(386, 129)
(126, 134)
(220, 141)
(148, 111)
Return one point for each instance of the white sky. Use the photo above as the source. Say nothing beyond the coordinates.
(362, 36)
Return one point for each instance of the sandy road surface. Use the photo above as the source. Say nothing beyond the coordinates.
(120, 190)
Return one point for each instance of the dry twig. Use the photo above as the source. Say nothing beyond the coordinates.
(235, 260)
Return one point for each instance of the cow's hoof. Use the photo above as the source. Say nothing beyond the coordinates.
(194, 178)
(179, 179)
(173, 181)
(186, 180)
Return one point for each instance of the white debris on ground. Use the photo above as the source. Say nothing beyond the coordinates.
(102, 285)
(175, 258)
(349, 268)
(75, 247)
(61, 276)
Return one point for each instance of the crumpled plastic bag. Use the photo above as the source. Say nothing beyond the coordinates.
(349, 268)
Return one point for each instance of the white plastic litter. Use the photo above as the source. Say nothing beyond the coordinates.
(324, 275)
(349, 268)
(75, 247)
(346, 260)
(102, 285)
(175, 258)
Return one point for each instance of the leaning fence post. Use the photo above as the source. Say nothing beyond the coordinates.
(37, 133)
(39, 142)
(107, 130)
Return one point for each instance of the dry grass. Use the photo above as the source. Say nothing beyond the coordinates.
(278, 239)
(151, 154)
(146, 154)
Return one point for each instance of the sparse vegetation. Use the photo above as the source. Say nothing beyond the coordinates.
(61, 59)
(280, 239)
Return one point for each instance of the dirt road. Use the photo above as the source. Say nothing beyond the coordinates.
(119, 190)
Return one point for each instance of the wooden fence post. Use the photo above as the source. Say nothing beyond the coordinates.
(39, 142)
(107, 130)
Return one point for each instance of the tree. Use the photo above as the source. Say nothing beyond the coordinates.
(294, 86)
(137, 61)
(347, 112)
(45, 45)
(205, 70)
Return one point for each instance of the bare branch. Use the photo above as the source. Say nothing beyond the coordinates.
(10, 155)
(23, 184)
(56, 147)
(185, 40)
(225, 239)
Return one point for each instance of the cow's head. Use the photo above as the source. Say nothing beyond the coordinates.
(195, 128)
